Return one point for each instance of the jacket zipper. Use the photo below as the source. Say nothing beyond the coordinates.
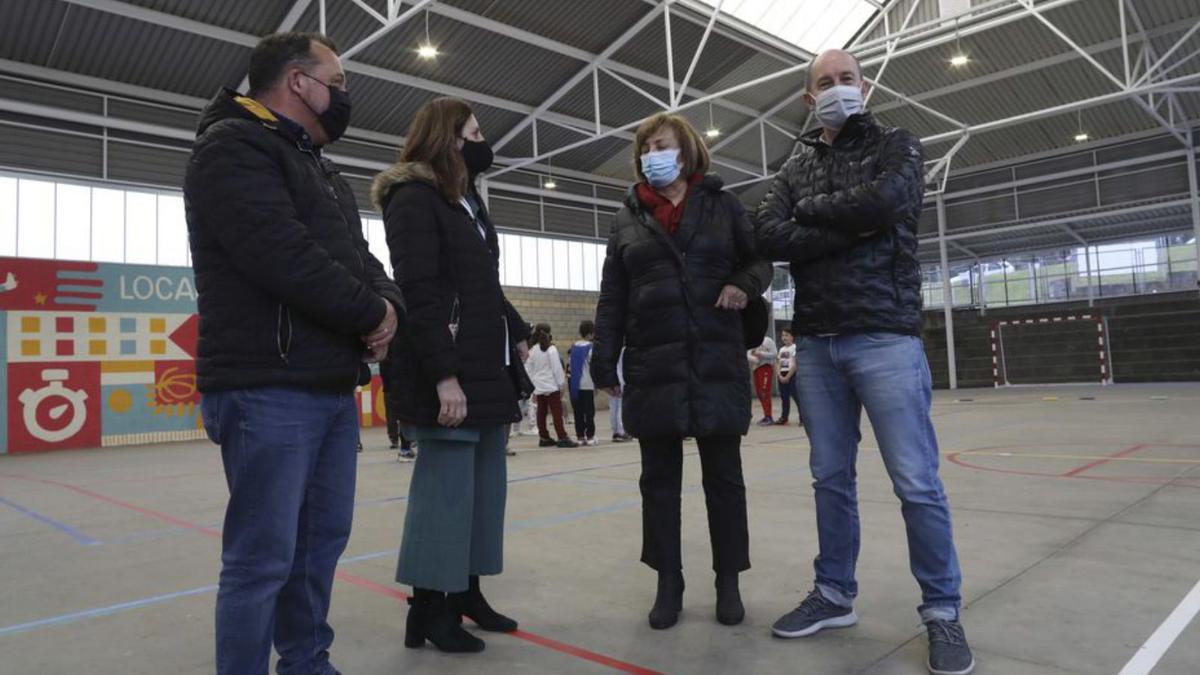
(282, 343)
(362, 265)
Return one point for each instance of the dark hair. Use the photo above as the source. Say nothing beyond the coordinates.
(587, 327)
(808, 78)
(787, 330)
(692, 150)
(275, 53)
(433, 139)
(541, 335)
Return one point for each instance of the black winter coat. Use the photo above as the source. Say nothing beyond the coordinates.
(287, 286)
(845, 217)
(685, 360)
(438, 255)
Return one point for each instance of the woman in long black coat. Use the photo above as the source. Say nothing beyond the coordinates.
(680, 266)
(455, 359)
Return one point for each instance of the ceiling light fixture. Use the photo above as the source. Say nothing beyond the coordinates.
(427, 50)
(1080, 134)
(713, 131)
(959, 59)
(549, 183)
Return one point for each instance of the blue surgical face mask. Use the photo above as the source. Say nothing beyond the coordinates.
(661, 167)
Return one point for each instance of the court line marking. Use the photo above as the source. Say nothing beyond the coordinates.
(1035, 455)
(1150, 653)
(103, 611)
(342, 575)
(1104, 460)
(71, 532)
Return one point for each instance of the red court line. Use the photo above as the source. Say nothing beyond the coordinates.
(361, 582)
(546, 642)
(1103, 460)
(956, 458)
(157, 515)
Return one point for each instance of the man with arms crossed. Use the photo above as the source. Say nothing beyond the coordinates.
(843, 212)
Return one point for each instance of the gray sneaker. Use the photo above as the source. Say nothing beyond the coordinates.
(948, 650)
(814, 614)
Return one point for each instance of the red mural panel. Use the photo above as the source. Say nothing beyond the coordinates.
(53, 406)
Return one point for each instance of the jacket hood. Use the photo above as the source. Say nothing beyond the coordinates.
(228, 104)
(711, 183)
(398, 174)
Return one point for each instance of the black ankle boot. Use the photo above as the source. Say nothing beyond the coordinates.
(669, 600)
(475, 607)
(431, 618)
(729, 600)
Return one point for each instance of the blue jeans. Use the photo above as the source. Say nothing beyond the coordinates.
(887, 374)
(289, 457)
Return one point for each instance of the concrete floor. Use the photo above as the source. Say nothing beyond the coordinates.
(108, 557)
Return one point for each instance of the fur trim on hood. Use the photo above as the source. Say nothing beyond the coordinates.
(398, 174)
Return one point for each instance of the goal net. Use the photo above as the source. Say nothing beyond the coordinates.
(1070, 349)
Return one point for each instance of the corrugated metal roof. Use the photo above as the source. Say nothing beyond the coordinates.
(104, 45)
(256, 18)
(28, 30)
(1015, 68)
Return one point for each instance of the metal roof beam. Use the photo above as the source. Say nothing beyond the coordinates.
(133, 93)
(389, 25)
(1055, 222)
(491, 25)
(299, 7)
(578, 77)
(168, 21)
(1027, 67)
(234, 37)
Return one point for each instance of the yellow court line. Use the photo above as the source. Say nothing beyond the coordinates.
(1149, 460)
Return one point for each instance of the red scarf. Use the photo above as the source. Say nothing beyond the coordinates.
(667, 214)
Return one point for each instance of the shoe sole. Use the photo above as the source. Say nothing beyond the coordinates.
(835, 622)
(966, 671)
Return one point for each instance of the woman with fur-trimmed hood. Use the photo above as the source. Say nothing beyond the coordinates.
(458, 352)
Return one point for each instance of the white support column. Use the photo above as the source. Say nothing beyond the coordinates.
(1087, 256)
(670, 56)
(947, 293)
(1194, 187)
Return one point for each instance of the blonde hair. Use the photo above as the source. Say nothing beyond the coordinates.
(692, 150)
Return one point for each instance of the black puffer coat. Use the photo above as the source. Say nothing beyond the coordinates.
(438, 255)
(845, 217)
(685, 360)
(287, 286)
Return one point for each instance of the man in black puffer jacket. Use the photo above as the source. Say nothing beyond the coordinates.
(843, 212)
(291, 305)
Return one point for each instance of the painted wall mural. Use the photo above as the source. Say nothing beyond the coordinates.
(97, 354)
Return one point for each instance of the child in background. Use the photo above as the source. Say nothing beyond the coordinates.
(762, 363)
(787, 377)
(546, 372)
(583, 392)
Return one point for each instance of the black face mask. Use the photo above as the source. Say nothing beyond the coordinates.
(477, 155)
(336, 117)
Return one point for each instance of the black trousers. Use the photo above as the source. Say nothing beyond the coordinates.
(585, 413)
(393, 422)
(724, 495)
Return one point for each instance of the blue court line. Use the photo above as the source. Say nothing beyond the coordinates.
(102, 611)
(517, 526)
(71, 532)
